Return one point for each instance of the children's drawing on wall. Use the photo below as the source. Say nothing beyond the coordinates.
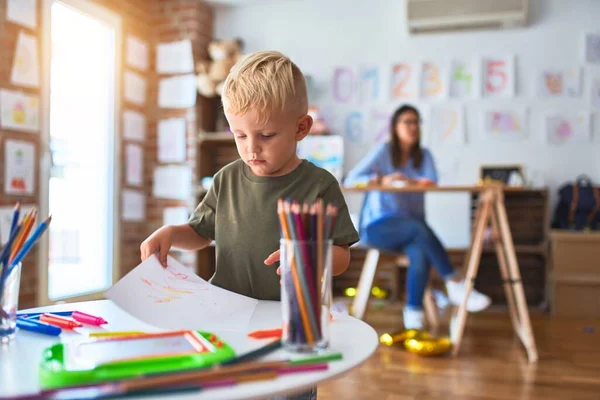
(25, 68)
(19, 111)
(326, 152)
(171, 140)
(404, 81)
(434, 81)
(499, 77)
(591, 48)
(566, 128)
(133, 205)
(19, 167)
(559, 82)
(505, 123)
(448, 125)
(134, 160)
(465, 79)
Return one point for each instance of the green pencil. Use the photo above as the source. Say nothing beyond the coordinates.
(317, 359)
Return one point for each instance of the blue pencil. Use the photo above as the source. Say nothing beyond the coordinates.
(31, 242)
(4, 259)
(15, 220)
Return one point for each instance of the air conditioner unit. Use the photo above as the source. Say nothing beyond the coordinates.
(451, 15)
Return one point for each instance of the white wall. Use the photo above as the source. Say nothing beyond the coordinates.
(320, 35)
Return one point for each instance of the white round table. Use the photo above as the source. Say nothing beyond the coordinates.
(352, 337)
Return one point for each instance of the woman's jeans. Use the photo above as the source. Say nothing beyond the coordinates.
(419, 243)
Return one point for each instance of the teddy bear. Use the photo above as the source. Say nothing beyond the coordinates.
(211, 74)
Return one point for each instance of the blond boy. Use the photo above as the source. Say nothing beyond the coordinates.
(265, 102)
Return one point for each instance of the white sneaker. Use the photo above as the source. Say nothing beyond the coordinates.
(476, 302)
(413, 319)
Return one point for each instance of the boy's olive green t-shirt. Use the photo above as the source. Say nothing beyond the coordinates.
(240, 213)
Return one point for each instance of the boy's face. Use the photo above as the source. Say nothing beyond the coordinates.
(269, 149)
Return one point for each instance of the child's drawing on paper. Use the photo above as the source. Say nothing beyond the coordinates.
(562, 129)
(561, 82)
(505, 124)
(326, 152)
(448, 125)
(174, 286)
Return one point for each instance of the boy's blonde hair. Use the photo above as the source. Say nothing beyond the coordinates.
(266, 82)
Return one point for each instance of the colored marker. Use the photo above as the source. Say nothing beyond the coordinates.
(38, 327)
(60, 321)
(87, 318)
(266, 334)
(115, 334)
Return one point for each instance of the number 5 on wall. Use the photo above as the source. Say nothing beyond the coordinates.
(499, 77)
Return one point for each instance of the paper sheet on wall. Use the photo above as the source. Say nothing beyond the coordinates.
(175, 215)
(171, 140)
(568, 128)
(174, 57)
(591, 48)
(25, 67)
(559, 82)
(595, 91)
(175, 298)
(133, 205)
(134, 161)
(499, 77)
(448, 125)
(504, 124)
(404, 81)
(6, 216)
(134, 125)
(135, 88)
(23, 12)
(19, 167)
(434, 81)
(465, 79)
(177, 91)
(137, 53)
(19, 111)
(326, 152)
(173, 182)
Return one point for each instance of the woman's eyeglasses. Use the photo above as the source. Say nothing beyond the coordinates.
(411, 122)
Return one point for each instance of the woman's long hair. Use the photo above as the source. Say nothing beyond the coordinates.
(396, 151)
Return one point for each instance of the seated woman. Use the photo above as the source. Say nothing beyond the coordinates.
(396, 221)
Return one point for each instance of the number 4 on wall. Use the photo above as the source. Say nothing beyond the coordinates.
(499, 77)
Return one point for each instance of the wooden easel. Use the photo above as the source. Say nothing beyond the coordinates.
(492, 212)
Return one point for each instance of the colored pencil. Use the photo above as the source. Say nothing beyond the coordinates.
(28, 222)
(31, 241)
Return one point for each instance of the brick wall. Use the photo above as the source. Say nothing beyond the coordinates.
(9, 33)
(153, 21)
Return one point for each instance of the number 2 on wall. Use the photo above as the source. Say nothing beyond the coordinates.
(401, 74)
(496, 78)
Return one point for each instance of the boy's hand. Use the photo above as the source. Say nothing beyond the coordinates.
(273, 258)
(158, 243)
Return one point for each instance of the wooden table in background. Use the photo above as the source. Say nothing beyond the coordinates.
(490, 212)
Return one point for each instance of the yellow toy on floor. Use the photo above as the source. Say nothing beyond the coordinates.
(418, 342)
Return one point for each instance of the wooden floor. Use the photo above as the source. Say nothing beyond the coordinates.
(492, 363)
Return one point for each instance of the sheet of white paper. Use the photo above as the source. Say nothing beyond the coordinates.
(134, 160)
(173, 182)
(591, 48)
(595, 91)
(465, 79)
(25, 68)
(23, 12)
(19, 111)
(6, 216)
(434, 80)
(448, 125)
(174, 57)
(559, 82)
(175, 215)
(19, 167)
(171, 140)
(177, 91)
(499, 77)
(135, 88)
(137, 53)
(504, 124)
(176, 298)
(133, 205)
(568, 128)
(134, 125)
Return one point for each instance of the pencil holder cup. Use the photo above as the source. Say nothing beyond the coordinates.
(305, 294)
(9, 302)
